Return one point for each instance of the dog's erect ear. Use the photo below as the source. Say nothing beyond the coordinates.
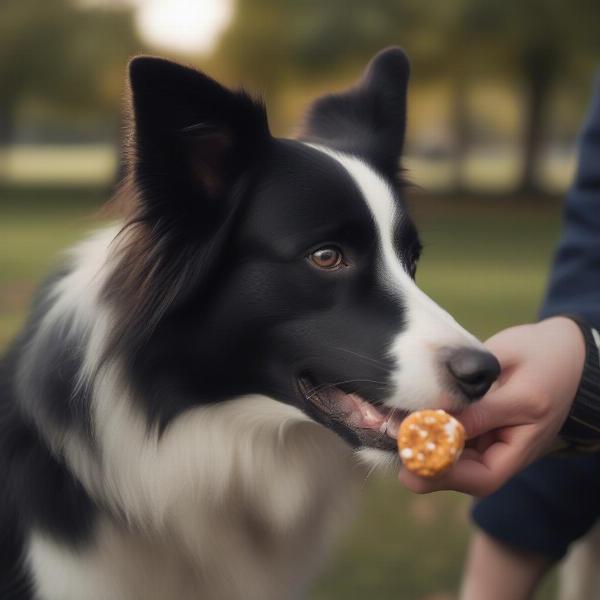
(191, 138)
(369, 119)
(192, 143)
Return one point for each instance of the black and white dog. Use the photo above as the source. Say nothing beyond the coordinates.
(182, 414)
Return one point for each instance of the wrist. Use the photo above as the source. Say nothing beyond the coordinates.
(581, 430)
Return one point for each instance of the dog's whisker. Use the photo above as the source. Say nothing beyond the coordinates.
(372, 469)
(376, 362)
(393, 413)
(312, 391)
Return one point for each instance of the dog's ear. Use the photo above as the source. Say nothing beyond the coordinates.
(369, 119)
(191, 136)
(192, 144)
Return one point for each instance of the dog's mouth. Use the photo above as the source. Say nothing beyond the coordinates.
(360, 422)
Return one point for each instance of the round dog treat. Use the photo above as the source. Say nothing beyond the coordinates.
(430, 441)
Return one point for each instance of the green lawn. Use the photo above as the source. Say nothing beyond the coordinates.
(485, 262)
(35, 225)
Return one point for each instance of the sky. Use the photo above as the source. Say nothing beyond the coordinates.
(186, 26)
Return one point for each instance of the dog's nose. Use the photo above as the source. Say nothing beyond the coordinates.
(473, 370)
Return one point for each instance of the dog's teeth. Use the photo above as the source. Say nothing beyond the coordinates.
(369, 414)
(392, 426)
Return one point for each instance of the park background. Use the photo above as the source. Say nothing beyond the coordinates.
(498, 92)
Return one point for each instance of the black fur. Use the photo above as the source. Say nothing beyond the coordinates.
(38, 490)
(203, 349)
(369, 119)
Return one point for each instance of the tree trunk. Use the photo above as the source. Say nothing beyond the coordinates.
(539, 71)
(461, 133)
(7, 131)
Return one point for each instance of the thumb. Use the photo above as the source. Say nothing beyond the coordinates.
(484, 416)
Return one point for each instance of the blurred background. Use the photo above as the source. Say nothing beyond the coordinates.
(498, 92)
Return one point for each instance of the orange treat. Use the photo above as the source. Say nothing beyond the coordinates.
(430, 441)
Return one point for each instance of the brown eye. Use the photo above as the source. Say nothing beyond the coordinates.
(328, 257)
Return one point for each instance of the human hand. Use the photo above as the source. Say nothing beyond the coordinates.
(518, 420)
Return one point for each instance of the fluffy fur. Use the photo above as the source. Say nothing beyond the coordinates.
(182, 413)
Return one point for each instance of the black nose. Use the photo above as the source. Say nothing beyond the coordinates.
(473, 370)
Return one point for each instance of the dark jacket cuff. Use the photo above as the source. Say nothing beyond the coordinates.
(581, 430)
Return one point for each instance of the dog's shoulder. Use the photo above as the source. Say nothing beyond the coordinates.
(15, 583)
(38, 492)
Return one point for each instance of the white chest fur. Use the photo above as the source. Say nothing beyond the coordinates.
(251, 520)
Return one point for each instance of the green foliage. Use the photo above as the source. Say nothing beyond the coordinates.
(271, 41)
(539, 44)
(543, 34)
(63, 56)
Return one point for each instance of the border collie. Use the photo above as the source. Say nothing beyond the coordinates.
(182, 414)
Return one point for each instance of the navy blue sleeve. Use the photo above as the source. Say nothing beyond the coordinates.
(546, 507)
(574, 286)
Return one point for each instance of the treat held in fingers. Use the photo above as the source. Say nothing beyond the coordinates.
(430, 442)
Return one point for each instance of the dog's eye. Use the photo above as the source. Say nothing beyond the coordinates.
(328, 257)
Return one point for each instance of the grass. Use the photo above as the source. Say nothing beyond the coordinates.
(35, 224)
(485, 263)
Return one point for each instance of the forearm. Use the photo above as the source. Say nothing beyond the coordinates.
(574, 286)
(581, 429)
(495, 571)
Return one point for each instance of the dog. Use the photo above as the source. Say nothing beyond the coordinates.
(188, 409)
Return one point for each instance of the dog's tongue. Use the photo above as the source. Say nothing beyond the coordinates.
(361, 414)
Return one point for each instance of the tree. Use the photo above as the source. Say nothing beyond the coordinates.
(538, 44)
(63, 56)
(543, 43)
(275, 42)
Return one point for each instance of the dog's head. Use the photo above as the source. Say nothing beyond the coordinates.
(285, 267)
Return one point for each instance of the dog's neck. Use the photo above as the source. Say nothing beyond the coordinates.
(237, 500)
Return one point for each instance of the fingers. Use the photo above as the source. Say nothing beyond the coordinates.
(466, 477)
(421, 485)
(507, 345)
(498, 409)
(513, 423)
(478, 474)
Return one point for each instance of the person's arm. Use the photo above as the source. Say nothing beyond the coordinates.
(496, 571)
(543, 371)
(574, 287)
